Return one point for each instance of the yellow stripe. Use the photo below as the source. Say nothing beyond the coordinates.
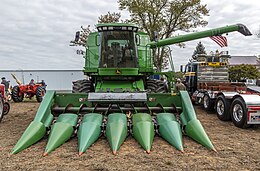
(213, 64)
(190, 74)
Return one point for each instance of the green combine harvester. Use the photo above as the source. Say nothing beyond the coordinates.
(120, 98)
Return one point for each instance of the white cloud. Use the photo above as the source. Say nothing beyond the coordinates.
(35, 34)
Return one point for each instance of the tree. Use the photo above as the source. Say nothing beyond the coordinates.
(243, 72)
(82, 35)
(200, 49)
(110, 18)
(179, 75)
(163, 18)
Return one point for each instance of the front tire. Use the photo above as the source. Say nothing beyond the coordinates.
(40, 92)
(82, 86)
(1, 108)
(6, 108)
(239, 113)
(156, 86)
(16, 96)
(223, 108)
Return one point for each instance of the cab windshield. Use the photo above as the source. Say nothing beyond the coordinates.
(118, 50)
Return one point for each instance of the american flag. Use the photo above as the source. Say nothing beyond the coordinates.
(220, 40)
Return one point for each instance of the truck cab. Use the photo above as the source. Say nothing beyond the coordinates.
(206, 68)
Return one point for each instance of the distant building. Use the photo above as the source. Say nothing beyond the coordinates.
(55, 79)
(248, 60)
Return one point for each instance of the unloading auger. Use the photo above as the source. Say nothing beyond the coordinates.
(120, 98)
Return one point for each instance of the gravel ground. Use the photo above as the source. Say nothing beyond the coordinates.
(238, 149)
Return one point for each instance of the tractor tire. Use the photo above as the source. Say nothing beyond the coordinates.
(40, 92)
(82, 86)
(208, 104)
(15, 94)
(156, 86)
(6, 108)
(1, 108)
(223, 108)
(239, 113)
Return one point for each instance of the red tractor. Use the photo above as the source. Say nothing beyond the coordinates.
(28, 91)
(4, 105)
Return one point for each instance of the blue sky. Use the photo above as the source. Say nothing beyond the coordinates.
(35, 34)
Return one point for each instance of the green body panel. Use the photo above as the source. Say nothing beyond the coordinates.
(61, 131)
(44, 111)
(34, 132)
(118, 72)
(170, 129)
(124, 86)
(195, 130)
(183, 119)
(77, 99)
(116, 130)
(187, 107)
(92, 52)
(144, 53)
(89, 131)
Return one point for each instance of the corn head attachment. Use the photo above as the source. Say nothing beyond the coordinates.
(142, 116)
(120, 99)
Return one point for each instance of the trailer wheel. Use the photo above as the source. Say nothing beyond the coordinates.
(15, 94)
(40, 91)
(239, 113)
(1, 108)
(223, 108)
(207, 103)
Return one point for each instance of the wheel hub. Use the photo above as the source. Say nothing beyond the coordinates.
(238, 112)
(1, 108)
(206, 101)
(220, 107)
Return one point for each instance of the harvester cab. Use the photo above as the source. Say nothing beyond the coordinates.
(119, 97)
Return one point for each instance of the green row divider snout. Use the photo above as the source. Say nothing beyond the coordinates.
(143, 130)
(61, 131)
(34, 132)
(170, 129)
(116, 130)
(195, 131)
(89, 131)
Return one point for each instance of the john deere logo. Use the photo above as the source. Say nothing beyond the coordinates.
(118, 71)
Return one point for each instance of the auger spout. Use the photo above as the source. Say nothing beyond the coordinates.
(198, 35)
